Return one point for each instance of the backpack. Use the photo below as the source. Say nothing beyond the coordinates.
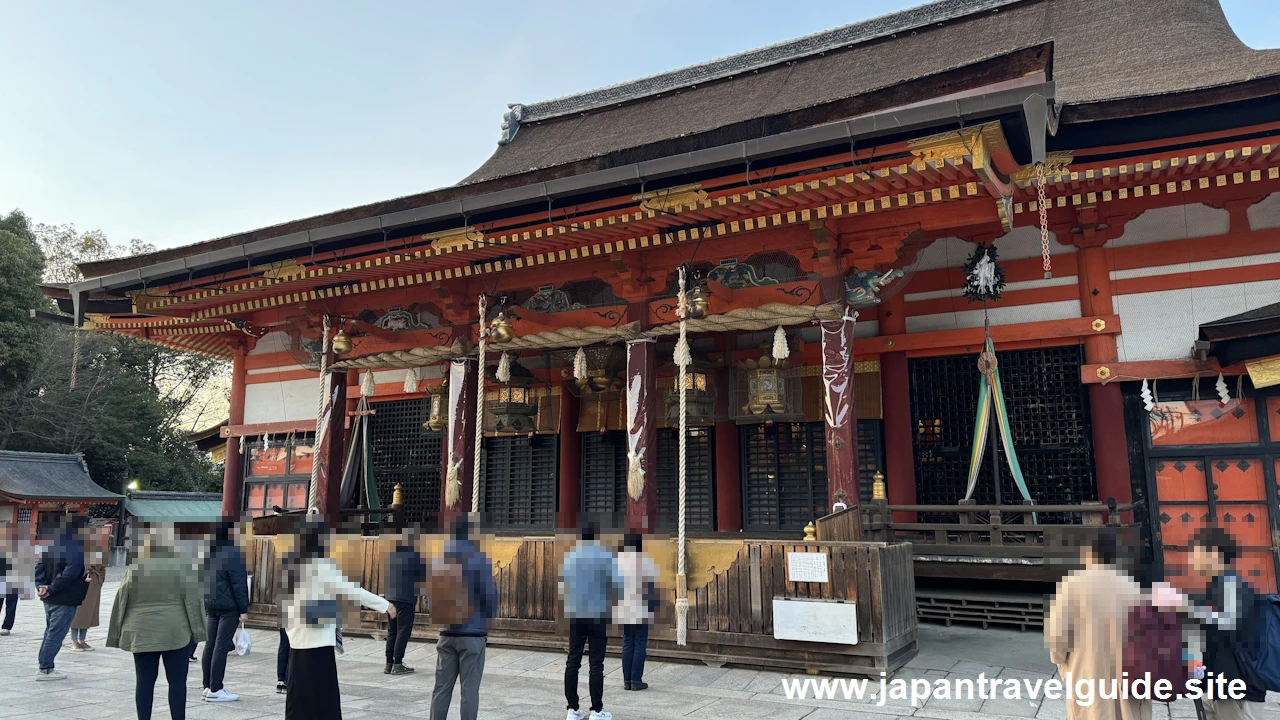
(1266, 653)
(1154, 645)
(448, 594)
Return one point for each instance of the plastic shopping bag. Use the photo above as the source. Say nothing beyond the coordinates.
(243, 642)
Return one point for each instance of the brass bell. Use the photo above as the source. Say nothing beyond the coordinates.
(341, 343)
(699, 301)
(501, 331)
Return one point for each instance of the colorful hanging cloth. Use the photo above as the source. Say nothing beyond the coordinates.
(991, 391)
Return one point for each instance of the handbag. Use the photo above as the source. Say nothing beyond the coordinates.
(320, 612)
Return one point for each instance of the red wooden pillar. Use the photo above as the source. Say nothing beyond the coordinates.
(461, 442)
(895, 400)
(570, 490)
(233, 469)
(840, 413)
(642, 435)
(330, 492)
(1106, 409)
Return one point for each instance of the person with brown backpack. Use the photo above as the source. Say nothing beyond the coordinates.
(463, 599)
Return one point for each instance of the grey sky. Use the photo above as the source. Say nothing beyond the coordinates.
(177, 122)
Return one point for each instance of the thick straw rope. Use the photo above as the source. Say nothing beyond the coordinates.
(475, 471)
(313, 488)
(682, 362)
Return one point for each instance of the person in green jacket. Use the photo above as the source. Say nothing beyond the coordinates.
(159, 616)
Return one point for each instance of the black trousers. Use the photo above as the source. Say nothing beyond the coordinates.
(586, 634)
(282, 658)
(313, 686)
(399, 628)
(222, 632)
(147, 668)
(10, 603)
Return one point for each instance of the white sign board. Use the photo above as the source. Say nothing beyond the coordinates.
(807, 567)
(826, 621)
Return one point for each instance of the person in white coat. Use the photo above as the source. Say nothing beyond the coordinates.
(634, 611)
(313, 587)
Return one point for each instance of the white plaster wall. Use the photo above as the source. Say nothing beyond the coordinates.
(1063, 310)
(1164, 325)
(272, 342)
(1173, 223)
(1265, 214)
(282, 401)
(1023, 242)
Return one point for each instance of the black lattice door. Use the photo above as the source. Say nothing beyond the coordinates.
(604, 473)
(405, 453)
(519, 481)
(1048, 410)
(699, 479)
(870, 455)
(784, 471)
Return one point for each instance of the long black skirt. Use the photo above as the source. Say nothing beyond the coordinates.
(313, 685)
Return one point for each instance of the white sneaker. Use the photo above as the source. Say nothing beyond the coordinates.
(601, 715)
(575, 715)
(45, 675)
(204, 692)
(3, 633)
(221, 696)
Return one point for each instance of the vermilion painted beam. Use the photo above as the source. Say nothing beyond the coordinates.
(1155, 370)
(276, 428)
(1046, 329)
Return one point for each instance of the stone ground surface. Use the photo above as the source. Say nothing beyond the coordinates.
(521, 684)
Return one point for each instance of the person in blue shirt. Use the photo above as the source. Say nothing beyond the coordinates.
(61, 584)
(460, 650)
(589, 585)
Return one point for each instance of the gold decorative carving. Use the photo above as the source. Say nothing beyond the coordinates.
(866, 366)
(1265, 372)
(456, 239)
(978, 142)
(1104, 372)
(670, 199)
(1099, 325)
(145, 300)
(1054, 162)
(283, 270)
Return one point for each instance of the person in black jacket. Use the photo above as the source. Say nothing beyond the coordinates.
(405, 574)
(1229, 620)
(226, 604)
(60, 583)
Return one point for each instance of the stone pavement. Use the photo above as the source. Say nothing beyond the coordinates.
(520, 684)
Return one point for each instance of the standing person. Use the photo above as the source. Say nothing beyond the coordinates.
(405, 574)
(461, 648)
(60, 583)
(1229, 620)
(1088, 626)
(226, 605)
(157, 617)
(313, 586)
(15, 573)
(282, 661)
(589, 581)
(96, 574)
(634, 611)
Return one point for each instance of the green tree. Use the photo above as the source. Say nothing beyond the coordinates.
(21, 266)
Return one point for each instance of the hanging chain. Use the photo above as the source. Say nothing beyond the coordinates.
(1044, 222)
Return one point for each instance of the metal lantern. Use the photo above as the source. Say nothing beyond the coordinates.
(500, 331)
(515, 408)
(341, 343)
(699, 300)
(604, 367)
(700, 395)
(766, 389)
(438, 416)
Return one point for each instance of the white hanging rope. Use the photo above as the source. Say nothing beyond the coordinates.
(683, 357)
(781, 351)
(368, 386)
(580, 365)
(504, 368)
(313, 489)
(411, 381)
(475, 475)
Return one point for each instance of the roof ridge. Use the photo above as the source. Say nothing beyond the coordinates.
(788, 50)
(41, 456)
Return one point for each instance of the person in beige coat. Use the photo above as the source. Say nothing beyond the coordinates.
(95, 567)
(1086, 632)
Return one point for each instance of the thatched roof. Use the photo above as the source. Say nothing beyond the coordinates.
(1108, 58)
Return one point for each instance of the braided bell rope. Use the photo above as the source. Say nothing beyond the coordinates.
(682, 363)
(475, 470)
(314, 486)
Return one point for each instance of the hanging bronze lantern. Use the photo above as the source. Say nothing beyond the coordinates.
(341, 343)
(500, 331)
(699, 300)
(699, 396)
(514, 409)
(438, 415)
(770, 385)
